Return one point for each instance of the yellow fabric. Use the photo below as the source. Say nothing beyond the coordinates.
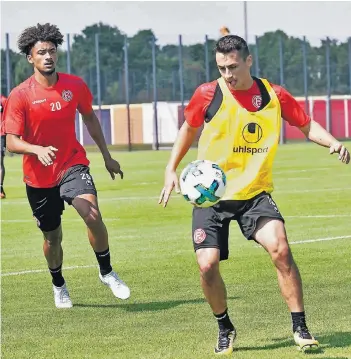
(243, 144)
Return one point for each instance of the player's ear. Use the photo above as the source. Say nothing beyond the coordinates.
(249, 61)
(30, 57)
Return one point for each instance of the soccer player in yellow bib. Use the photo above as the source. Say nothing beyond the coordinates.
(242, 117)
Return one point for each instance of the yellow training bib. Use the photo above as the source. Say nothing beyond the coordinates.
(243, 143)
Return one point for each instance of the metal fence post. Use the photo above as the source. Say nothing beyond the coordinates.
(207, 64)
(281, 61)
(68, 54)
(155, 144)
(8, 65)
(126, 83)
(181, 79)
(257, 64)
(328, 103)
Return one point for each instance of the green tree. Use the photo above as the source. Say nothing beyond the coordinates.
(112, 76)
(83, 57)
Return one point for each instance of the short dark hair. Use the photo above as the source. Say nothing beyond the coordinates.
(229, 43)
(30, 36)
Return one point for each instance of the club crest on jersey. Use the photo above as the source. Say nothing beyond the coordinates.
(257, 101)
(67, 95)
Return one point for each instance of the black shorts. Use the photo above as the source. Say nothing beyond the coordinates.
(211, 225)
(3, 145)
(48, 203)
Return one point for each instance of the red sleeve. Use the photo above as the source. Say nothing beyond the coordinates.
(292, 112)
(196, 110)
(15, 114)
(85, 100)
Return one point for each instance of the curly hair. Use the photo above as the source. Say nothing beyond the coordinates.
(229, 43)
(30, 36)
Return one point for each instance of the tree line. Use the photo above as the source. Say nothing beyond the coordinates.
(168, 83)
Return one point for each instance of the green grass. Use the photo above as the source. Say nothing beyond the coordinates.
(166, 316)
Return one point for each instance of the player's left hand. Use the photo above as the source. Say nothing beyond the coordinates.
(344, 154)
(113, 167)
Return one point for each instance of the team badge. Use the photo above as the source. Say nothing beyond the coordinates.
(199, 236)
(257, 101)
(67, 95)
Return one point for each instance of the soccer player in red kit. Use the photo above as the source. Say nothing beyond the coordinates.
(3, 147)
(242, 115)
(40, 124)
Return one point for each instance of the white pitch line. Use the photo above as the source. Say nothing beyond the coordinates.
(43, 270)
(302, 170)
(119, 219)
(101, 199)
(320, 240)
(33, 271)
(65, 220)
(143, 198)
(321, 216)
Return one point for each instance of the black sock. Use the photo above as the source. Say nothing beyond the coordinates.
(298, 320)
(104, 261)
(57, 279)
(224, 321)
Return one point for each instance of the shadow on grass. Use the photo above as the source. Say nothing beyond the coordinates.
(146, 307)
(332, 340)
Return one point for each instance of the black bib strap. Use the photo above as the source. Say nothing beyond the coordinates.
(215, 104)
(264, 93)
(218, 98)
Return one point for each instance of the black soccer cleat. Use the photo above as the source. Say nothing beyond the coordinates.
(225, 342)
(304, 340)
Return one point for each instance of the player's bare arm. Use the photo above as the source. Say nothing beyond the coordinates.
(46, 155)
(95, 131)
(316, 133)
(185, 138)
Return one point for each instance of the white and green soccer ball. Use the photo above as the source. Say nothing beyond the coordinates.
(202, 183)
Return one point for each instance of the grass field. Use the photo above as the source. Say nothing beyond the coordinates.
(166, 315)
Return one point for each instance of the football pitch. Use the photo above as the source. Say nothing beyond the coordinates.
(166, 316)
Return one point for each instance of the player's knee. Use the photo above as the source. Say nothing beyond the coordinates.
(92, 217)
(208, 270)
(281, 254)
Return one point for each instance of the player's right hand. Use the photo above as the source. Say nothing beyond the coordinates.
(171, 181)
(46, 155)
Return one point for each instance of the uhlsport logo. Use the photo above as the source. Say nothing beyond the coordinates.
(252, 133)
(251, 150)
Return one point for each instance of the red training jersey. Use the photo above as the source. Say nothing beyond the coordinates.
(251, 99)
(45, 116)
(3, 103)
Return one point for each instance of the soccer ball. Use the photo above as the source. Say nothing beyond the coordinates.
(202, 183)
